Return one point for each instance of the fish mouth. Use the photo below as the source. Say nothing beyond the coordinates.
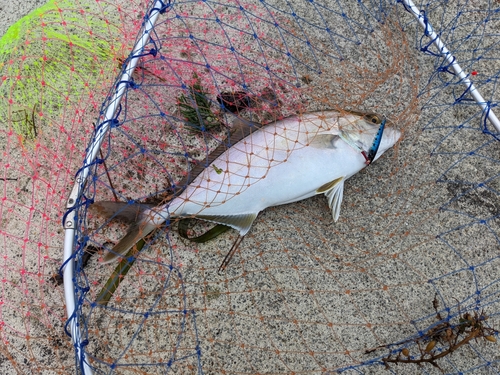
(390, 138)
(386, 137)
(393, 134)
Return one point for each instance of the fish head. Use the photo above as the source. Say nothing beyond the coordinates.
(368, 133)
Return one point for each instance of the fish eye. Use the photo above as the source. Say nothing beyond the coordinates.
(374, 119)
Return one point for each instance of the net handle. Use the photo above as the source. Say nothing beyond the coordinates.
(69, 220)
(451, 60)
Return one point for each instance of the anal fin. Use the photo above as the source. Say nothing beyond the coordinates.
(241, 223)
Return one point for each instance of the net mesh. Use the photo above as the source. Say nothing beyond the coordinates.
(407, 276)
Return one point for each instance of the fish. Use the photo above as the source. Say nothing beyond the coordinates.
(282, 162)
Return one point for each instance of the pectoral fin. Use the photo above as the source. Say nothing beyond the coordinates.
(241, 223)
(334, 191)
(324, 141)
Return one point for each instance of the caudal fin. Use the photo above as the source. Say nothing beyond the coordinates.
(134, 234)
(135, 214)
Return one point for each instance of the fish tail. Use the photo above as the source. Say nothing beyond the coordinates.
(142, 220)
(134, 234)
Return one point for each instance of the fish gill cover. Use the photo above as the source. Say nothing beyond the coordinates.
(407, 276)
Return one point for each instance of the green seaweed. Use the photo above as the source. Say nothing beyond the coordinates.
(196, 108)
(47, 64)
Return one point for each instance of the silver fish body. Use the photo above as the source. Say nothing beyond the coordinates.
(282, 162)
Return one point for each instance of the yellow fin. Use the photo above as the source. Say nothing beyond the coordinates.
(329, 185)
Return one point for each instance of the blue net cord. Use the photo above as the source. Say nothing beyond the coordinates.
(414, 248)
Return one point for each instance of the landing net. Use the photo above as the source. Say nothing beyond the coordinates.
(408, 275)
